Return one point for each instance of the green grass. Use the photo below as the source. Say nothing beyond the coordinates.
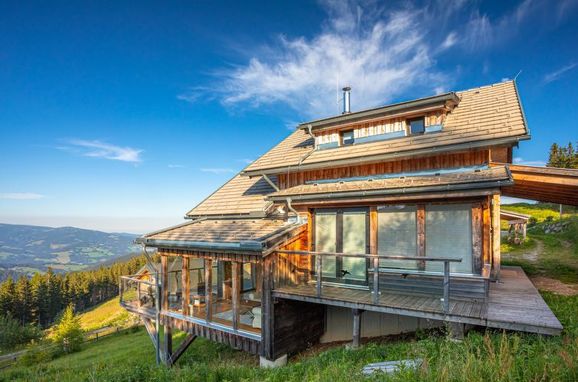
(109, 313)
(489, 356)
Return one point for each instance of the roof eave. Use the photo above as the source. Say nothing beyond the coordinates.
(383, 110)
(397, 191)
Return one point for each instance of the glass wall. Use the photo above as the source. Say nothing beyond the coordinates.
(343, 231)
(449, 234)
(221, 299)
(397, 235)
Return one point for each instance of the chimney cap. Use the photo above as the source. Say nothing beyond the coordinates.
(346, 89)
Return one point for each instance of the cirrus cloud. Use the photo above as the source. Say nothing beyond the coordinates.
(99, 149)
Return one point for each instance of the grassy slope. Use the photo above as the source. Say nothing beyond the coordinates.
(108, 313)
(558, 257)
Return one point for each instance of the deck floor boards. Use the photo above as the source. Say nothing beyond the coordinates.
(513, 303)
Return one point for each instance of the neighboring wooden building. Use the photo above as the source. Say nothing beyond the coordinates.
(394, 211)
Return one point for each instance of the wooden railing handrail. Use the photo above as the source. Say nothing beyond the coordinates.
(131, 278)
(370, 256)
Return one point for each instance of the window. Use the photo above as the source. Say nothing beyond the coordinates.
(343, 231)
(397, 235)
(448, 233)
(347, 138)
(416, 126)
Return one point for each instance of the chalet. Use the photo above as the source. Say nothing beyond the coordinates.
(363, 224)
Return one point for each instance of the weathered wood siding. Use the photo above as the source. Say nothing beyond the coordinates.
(297, 325)
(445, 160)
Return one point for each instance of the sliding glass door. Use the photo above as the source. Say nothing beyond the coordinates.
(343, 231)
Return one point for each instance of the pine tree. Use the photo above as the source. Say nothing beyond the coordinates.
(68, 333)
(23, 309)
(7, 300)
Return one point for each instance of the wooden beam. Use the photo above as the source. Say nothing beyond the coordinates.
(186, 286)
(486, 228)
(208, 289)
(267, 317)
(164, 283)
(421, 235)
(236, 292)
(373, 249)
(496, 255)
(477, 237)
(181, 349)
(168, 342)
(356, 328)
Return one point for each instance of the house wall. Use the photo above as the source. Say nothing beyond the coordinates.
(339, 324)
(433, 162)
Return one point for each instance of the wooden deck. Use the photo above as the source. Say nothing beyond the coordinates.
(513, 304)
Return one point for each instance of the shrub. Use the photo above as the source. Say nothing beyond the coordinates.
(12, 333)
(68, 333)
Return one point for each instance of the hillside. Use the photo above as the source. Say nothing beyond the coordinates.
(29, 249)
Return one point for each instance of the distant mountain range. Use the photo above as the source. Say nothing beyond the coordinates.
(28, 249)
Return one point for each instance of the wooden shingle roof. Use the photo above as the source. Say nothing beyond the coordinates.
(485, 115)
(239, 196)
(400, 184)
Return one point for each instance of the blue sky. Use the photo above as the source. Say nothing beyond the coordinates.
(122, 117)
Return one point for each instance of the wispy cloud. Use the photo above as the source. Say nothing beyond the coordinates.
(379, 53)
(99, 149)
(176, 166)
(555, 75)
(218, 171)
(245, 160)
(20, 196)
(383, 52)
(538, 163)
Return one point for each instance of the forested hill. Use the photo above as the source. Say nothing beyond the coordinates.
(26, 249)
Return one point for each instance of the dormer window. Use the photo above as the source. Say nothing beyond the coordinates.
(416, 126)
(347, 138)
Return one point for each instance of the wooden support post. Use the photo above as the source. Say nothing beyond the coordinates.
(236, 292)
(486, 230)
(186, 286)
(164, 283)
(208, 289)
(267, 306)
(477, 238)
(181, 349)
(356, 328)
(421, 235)
(318, 272)
(168, 343)
(496, 255)
(446, 287)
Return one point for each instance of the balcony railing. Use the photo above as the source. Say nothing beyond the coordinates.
(310, 272)
(140, 293)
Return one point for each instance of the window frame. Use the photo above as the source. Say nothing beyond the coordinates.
(342, 140)
(410, 120)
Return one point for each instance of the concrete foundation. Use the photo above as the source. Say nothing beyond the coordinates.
(279, 362)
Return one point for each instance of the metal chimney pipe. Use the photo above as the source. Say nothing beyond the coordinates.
(346, 100)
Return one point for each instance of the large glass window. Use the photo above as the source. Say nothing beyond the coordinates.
(354, 234)
(449, 234)
(397, 235)
(342, 231)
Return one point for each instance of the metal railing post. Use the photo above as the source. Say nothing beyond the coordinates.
(446, 287)
(158, 318)
(376, 280)
(318, 274)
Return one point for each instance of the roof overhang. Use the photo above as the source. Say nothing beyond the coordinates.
(448, 100)
(545, 184)
(399, 184)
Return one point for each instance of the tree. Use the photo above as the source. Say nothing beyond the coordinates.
(68, 333)
(563, 156)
